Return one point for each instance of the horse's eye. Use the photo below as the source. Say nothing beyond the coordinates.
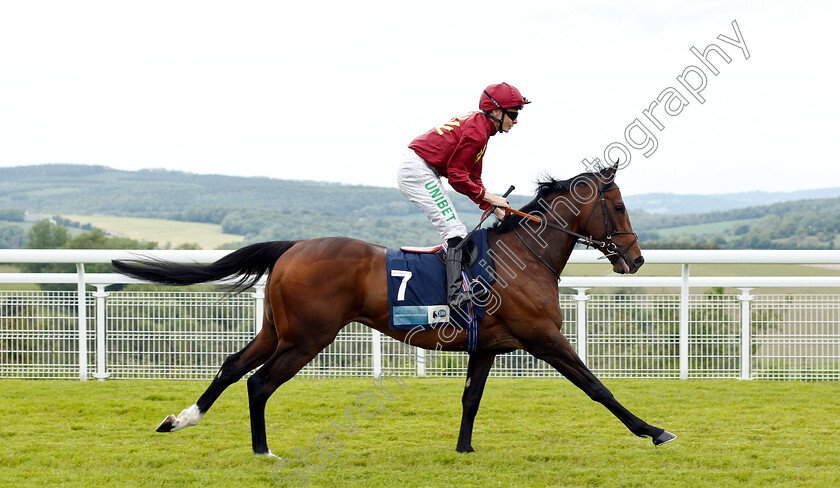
(619, 208)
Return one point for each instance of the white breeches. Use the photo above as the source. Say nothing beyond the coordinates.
(419, 181)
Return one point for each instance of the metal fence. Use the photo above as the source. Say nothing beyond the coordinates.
(179, 335)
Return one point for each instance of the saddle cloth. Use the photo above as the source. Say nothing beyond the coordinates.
(417, 287)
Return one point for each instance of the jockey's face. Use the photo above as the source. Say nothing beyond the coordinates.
(507, 121)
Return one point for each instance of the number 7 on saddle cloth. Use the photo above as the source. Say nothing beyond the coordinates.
(417, 287)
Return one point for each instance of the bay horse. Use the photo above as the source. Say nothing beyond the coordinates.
(317, 286)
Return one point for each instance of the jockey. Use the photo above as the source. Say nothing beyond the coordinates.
(455, 151)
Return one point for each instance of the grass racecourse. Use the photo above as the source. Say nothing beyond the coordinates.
(529, 432)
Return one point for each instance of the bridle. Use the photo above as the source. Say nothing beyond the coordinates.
(609, 225)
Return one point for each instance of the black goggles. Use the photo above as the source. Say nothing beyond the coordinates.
(511, 115)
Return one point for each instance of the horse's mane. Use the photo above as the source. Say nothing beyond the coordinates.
(547, 187)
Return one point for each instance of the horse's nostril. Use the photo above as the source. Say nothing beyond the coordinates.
(639, 261)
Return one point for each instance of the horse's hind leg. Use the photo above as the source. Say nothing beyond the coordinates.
(280, 368)
(477, 371)
(559, 353)
(233, 369)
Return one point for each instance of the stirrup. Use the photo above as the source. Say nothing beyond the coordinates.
(467, 296)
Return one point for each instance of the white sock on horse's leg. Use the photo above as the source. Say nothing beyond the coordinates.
(187, 418)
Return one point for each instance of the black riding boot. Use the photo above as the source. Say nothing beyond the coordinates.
(454, 257)
(456, 297)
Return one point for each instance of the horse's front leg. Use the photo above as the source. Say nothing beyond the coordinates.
(477, 371)
(558, 352)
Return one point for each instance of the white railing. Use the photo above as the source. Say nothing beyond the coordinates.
(175, 334)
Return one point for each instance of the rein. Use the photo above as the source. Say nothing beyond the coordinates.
(588, 241)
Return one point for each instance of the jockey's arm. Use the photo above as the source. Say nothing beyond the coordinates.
(496, 200)
(499, 202)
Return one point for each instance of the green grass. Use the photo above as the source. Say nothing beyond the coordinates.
(208, 236)
(529, 432)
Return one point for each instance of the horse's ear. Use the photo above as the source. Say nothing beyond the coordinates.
(610, 172)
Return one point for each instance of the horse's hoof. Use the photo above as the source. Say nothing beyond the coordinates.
(465, 450)
(663, 438)
(167, 425)
(267, 454)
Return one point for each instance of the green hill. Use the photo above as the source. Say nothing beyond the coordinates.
(263, 209)
(257, 208)
(78, 189)
(802, 224)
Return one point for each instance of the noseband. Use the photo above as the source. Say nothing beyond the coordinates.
(609, 226)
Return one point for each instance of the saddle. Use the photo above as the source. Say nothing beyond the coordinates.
(422, 250)
(417, 284)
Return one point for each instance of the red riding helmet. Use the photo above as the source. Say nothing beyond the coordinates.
(502, 96)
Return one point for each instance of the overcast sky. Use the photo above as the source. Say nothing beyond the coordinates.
(334, 91)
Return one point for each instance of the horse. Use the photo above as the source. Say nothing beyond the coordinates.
(317, 286)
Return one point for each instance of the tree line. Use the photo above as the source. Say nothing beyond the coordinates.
(47, 234)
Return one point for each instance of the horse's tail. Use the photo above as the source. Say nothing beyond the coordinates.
(248, 264)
